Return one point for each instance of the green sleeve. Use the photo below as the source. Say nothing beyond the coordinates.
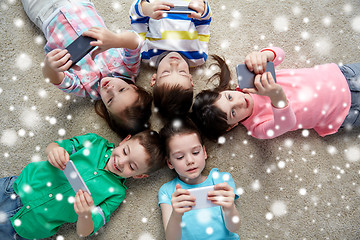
(73, 144)
(107, 208)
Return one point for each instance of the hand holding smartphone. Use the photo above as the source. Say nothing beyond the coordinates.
(79, 48)
(246, 77)
(74, 178)
(201, 195)
(180, 9)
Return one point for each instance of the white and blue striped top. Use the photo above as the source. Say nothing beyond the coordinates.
(174, 32)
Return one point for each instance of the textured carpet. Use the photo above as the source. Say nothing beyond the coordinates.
(297, 186)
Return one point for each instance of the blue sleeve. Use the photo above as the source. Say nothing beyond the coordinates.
(165, 193)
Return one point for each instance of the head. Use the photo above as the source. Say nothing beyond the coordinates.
(206, 113)
(125, 107)
(220, 111)
(184, 149)
(172, 86)
(137, 156)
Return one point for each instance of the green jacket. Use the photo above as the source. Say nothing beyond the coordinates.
(48, 199)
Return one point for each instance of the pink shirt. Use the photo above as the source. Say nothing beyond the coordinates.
(318, 97)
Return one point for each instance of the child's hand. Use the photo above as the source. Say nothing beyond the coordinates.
(154, 9)
(265, 86)
(83, 204)
(58, 157)
(256, 62)
(58, 60)
(181, 200)
(105, 39)
(199, 7)
(223, 195)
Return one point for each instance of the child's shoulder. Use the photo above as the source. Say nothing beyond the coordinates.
(218, 177)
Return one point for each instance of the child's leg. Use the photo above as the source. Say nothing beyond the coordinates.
(10, 203)
(40, 10)
(352, 75)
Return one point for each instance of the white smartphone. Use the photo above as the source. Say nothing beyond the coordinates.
(74, 178)
(180, 9)
(246, 78)
(201, 195)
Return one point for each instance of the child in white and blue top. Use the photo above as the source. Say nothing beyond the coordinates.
(186, 155)
(173, 32)
(173, 43)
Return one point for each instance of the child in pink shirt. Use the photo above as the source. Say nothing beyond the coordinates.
(324, 98)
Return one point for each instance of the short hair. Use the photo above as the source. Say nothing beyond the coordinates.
(178, 126)
(133, 119)
(172, 100)
(151, 141)
(211, 121)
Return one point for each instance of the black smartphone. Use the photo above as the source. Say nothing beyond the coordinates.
(180, 9)
(79, 48)
(246, 77)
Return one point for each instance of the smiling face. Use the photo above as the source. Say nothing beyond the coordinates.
(236, 105)
(173, 69)
(129, 159)
(187, 156)
(117, 95)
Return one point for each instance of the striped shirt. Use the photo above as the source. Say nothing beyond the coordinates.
(174, 32)
(69, 23)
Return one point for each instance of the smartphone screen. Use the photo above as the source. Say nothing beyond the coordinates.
(180, 9)
(74, 178)
(79, 48)
(246, 77)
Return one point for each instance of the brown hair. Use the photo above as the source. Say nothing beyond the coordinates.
(211, 120)
(151, 141)
(133, 119)
(178, 126)
(172, 101)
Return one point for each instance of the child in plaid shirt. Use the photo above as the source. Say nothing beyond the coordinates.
(108, 78)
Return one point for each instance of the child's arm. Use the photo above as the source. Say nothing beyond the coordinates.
(55, 63)
(181, 202)
(107, 39)
(224, 196)
(57, 156)
(83, 206)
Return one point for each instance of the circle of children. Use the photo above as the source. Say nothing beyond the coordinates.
(172, 43)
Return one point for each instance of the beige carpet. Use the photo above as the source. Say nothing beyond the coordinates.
(292, 187)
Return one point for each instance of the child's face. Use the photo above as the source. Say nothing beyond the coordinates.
(236, 105)
(117, 94)
(187, 156)
(128, 159)
(173, 69)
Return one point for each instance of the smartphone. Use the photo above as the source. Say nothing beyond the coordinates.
(201, 195)
(79, 48)
(180, 9)
(246, 77)
(74, 178)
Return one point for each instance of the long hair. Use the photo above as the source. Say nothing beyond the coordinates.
(133, 119)
(212, 121)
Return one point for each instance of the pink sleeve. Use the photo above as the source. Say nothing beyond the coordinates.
(284, 120)
(279, 54)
